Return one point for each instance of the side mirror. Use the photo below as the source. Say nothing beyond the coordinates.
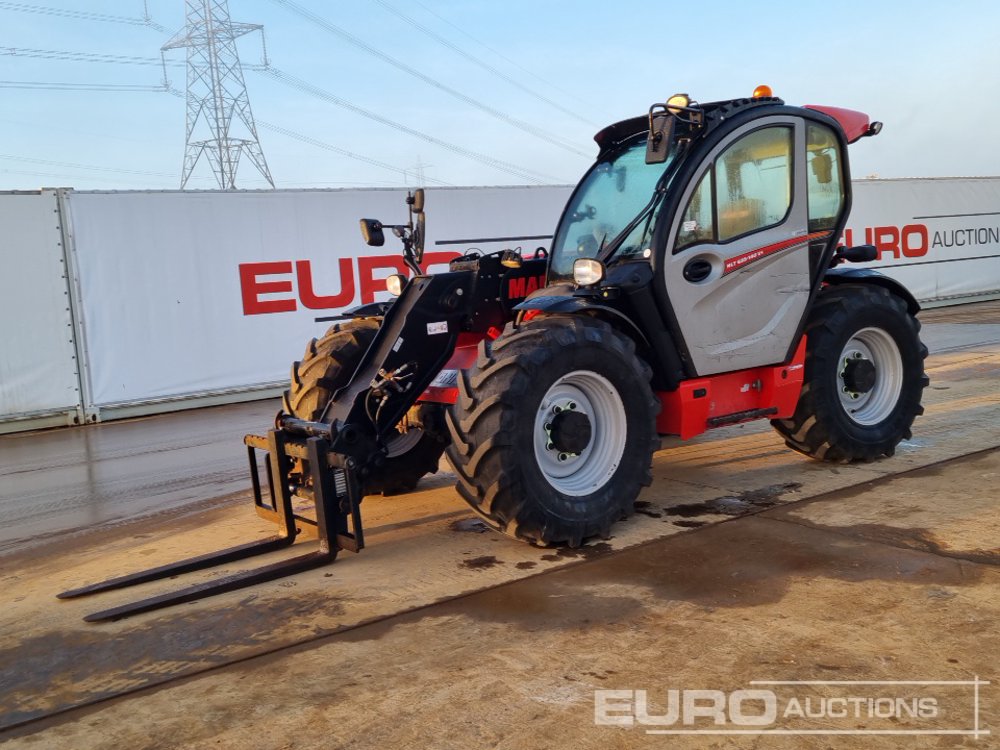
(418, 201)
(661, 132)
(371, 231)
(822, 167)
(856, 254)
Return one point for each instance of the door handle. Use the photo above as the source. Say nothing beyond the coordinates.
(697, 270)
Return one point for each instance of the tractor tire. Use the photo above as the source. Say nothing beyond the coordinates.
(864, 377)
(554, 430)
(328, 365)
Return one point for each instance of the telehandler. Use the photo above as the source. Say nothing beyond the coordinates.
(695, 280)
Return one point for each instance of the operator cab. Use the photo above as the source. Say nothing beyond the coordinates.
(737, 206)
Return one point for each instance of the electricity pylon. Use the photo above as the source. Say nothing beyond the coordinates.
(219, 120)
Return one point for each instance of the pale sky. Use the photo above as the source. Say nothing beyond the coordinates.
(560, 69)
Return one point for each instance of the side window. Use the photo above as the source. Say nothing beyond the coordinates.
(747, 188)
(826, 189)
(697, 224)
(754, 182)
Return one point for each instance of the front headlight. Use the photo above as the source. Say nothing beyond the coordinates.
(394, 284)
(587, 271)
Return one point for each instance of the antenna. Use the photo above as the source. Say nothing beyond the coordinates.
(220, 123)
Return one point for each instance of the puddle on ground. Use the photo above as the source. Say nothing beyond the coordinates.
(469, 524)
(480, 563)
(734, 505)
(573, 553)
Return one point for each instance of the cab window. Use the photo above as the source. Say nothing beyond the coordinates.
(826, 188)
(698, 224)
(754, 182)
(747, 188)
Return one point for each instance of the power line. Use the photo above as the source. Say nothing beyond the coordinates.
(496, 52)
(81, 15)
(88, 167)
(482, 64)
(336, 149)
(297, 83)
(62, 86)
(94, 57)
(359, 43)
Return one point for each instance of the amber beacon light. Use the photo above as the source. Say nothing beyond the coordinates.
(762, 91)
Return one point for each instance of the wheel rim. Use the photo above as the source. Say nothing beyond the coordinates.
(586, 471)
(875, 346)
(403, 442)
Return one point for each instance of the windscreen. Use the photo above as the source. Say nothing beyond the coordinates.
(615, 190)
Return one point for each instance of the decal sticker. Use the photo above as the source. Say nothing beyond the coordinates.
(445, 379)
(739, 261)
(399, 343)
(441, 327)
(689, 226)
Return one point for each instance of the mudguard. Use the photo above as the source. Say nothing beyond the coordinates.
(868, 276)
(551, 303)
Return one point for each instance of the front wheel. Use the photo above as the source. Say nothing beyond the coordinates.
(327, 365)
(553, 432)
(864, 377)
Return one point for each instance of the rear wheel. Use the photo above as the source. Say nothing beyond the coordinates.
(554, 429)
(864, 377)
(328, 364)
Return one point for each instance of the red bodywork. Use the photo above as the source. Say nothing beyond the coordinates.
(728, 398)
(854, 124)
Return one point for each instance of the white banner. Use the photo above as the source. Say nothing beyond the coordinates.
(189, 293)
(939, 237)
(38, 373)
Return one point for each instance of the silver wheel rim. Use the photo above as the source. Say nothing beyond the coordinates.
(582, 473)
(404, 442)
(879, 348)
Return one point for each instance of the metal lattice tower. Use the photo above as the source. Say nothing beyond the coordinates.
(220, 123)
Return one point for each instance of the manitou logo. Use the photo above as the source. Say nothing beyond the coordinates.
(910, 241)
(280, 286)
(522, 287)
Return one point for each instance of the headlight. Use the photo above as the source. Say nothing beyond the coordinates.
(587, 271)
(395, 283)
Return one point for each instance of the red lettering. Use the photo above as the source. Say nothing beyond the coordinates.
(252, 289)
(886, 241)
(525, 285)
(369, 285)
(915, 250)
(303, 272)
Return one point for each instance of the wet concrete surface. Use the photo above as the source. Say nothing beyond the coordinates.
(64, 480)
(767, 596)
(425, 548)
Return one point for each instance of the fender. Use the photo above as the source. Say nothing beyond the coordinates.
(836, 276)
(554, 303)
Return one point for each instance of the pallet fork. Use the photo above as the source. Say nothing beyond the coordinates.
(335, 493)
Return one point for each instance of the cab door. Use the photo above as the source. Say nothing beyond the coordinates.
(737, 261)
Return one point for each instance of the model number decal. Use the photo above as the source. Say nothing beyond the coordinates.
(433, 328)
(739, 261)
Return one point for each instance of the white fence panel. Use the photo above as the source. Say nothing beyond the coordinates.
(199, 293)
(38, 369)
(939, 237)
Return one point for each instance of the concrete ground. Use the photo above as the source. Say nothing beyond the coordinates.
(746, 562)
